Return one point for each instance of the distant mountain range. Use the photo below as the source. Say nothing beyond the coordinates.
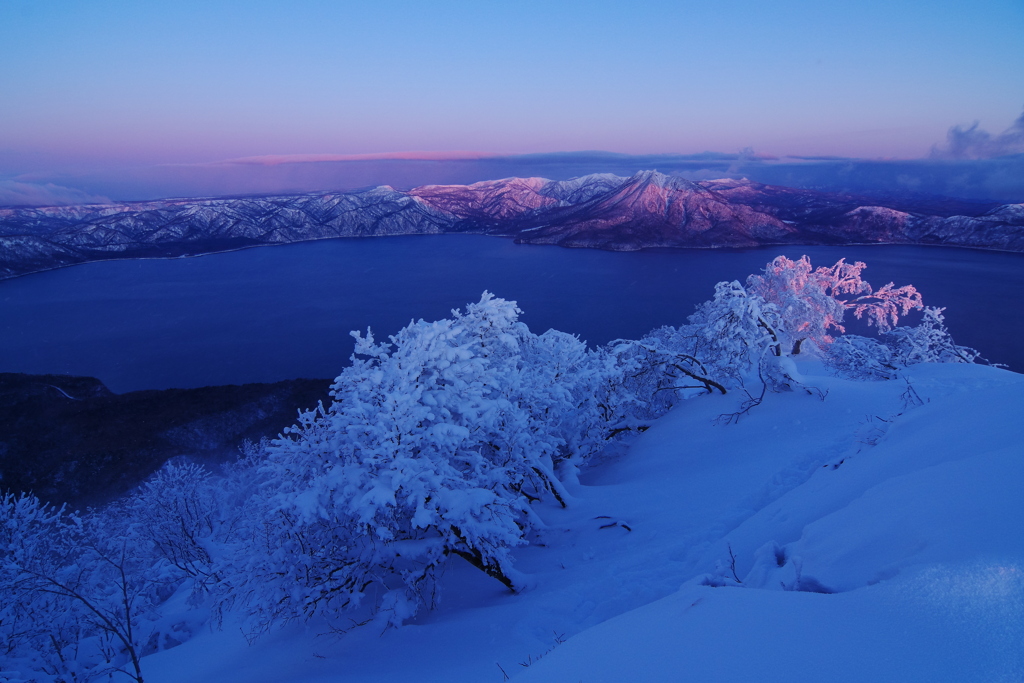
(602, 211)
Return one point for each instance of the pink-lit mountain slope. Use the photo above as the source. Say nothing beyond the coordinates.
(601, 211)
(608, 212)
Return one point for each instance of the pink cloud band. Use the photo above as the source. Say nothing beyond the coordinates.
(276, 159)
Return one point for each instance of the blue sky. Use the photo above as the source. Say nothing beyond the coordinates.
(105, 83)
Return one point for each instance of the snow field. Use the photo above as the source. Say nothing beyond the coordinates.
(908, 510)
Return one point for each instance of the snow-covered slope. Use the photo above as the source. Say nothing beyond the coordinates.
(877, 534)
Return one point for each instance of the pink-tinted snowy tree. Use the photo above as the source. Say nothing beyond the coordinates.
(813, 301)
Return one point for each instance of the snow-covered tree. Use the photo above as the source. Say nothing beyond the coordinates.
(928, 342)
(435, 445)
(76, 592)
(175, 514)
(862, 358)
(640, 380)
(37, 626)
(736, 334)
(564, 384)
(812, 302)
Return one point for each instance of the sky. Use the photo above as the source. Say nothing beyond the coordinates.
(106, 86)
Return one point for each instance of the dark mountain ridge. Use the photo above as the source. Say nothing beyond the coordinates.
(71, 440)
(604, 211)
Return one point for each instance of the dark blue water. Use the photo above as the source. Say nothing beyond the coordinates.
(266, 314)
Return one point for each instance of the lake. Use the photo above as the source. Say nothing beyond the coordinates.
(271, 313)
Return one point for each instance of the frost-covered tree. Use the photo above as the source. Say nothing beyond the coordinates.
(184, 518)
(77, 592)
(813, 301)
(928, 342)
(736, 334)
(564, 388)
(37, 625)
(638, 381)
(861, 358)
(743, 336)
(434, 445)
